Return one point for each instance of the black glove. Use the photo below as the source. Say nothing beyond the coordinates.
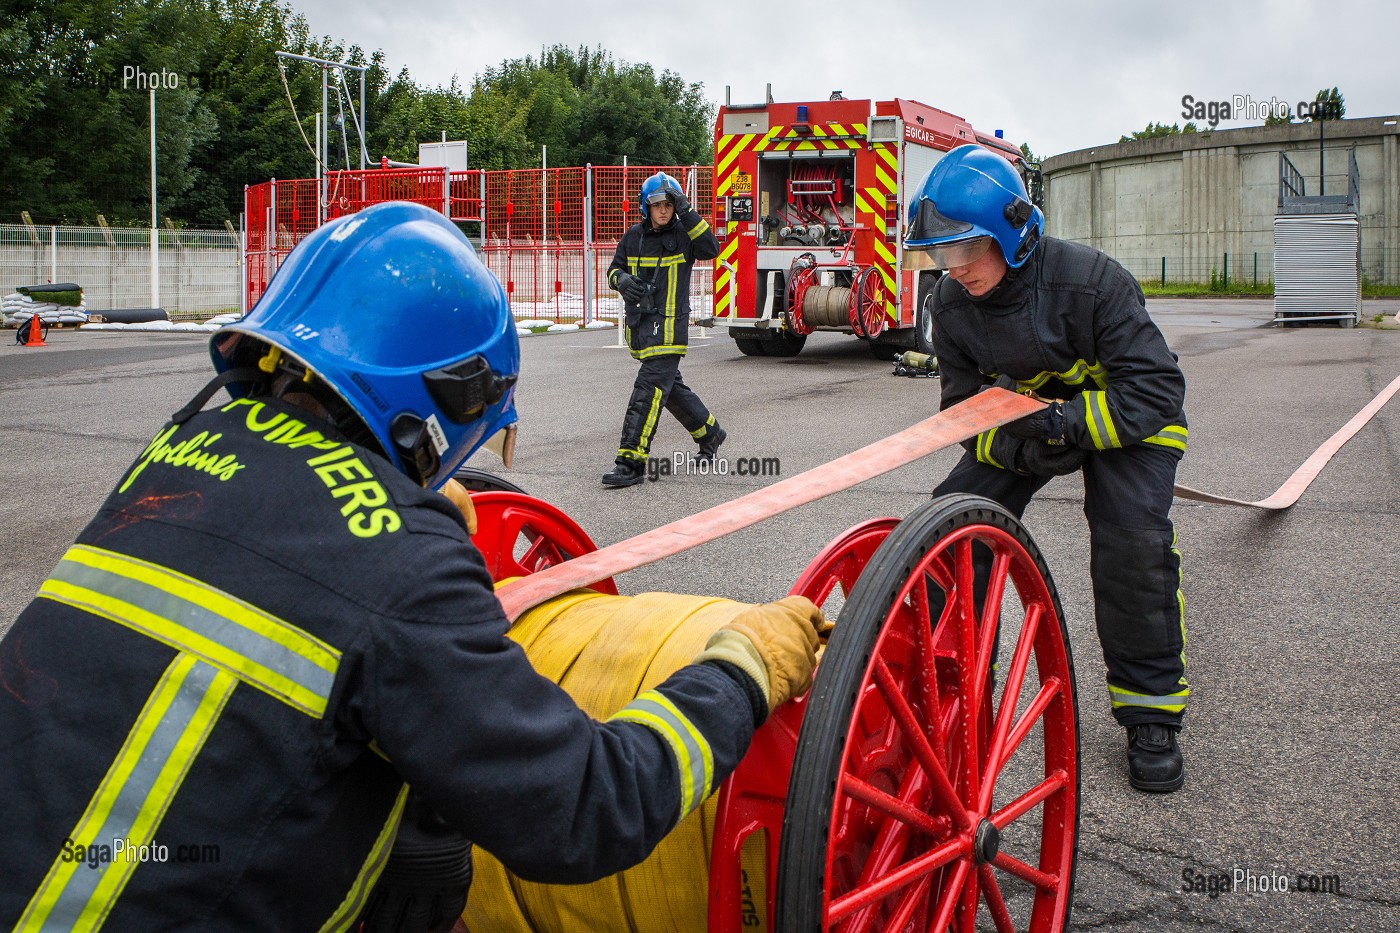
(1037, 458)
(679, 200)
(630, 286)
(1048, 424)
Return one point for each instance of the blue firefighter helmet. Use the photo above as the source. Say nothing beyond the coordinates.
(393, 310)
(657, 188)
(969, 200)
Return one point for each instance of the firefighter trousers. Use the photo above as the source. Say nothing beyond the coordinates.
(659, 386)
(1134, 566)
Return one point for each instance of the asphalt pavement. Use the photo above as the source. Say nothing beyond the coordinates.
(1293, 619)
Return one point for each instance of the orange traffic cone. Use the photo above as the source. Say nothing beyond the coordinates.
(36, 332)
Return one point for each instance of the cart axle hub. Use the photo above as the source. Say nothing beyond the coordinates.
(988, 842)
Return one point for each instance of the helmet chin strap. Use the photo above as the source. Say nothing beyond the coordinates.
(335, 412)
(249, 374)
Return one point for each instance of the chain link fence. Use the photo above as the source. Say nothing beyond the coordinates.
(200, 271)
(1249, 272)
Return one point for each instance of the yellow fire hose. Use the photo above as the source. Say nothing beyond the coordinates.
(604, 650)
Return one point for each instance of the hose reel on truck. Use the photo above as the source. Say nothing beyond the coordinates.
(907, 786)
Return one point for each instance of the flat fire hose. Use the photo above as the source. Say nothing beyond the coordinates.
(1292, 489)
(967, 419)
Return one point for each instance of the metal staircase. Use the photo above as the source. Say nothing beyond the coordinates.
(1317, 249)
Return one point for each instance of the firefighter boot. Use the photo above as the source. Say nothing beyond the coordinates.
(1154, 758)
(626, 473)
(710, 445)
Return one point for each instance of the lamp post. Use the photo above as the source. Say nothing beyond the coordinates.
(155, 229)
(1321, 155)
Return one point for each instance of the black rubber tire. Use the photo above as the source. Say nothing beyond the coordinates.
(923, 315)
(481, 481)
(751, 346)
(831, 703)
(785, 343)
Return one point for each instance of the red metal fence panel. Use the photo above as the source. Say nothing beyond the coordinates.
(530, 225)
(348, 192)
(615, 190)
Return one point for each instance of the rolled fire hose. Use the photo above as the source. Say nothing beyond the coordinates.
(826, 306)
(604, 650)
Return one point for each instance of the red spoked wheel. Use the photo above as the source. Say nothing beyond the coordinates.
(751, 800)
(802, 274)
(922, 791)
(520, 535)
(867, 304)
(841, 562)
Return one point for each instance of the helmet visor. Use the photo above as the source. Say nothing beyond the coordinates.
(947, 255)
(659, 197)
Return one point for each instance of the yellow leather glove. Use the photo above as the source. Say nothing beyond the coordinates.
(457, 494)
(775, 644)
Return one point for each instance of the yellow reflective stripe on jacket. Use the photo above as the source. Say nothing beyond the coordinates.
(659, 350)
(1102, 431)
(1173, 435)
(255, 646)
(693, 756)
(672, 275)
(1171, 703)
(354, 904)
(984, 448)
(1073, 376)
(699, 229)
(133, 796)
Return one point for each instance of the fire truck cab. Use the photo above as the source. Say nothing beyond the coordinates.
(809, 207)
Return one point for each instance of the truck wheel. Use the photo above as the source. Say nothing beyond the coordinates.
(923, 314)
(884, 351)
(751, 347)
(785, 343)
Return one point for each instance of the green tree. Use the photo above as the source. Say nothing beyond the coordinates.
(75, 126)
(74, 136)
(1279, 119)
(1156, 130)
(1330, 105)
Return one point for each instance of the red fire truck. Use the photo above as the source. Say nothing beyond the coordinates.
(809, 204)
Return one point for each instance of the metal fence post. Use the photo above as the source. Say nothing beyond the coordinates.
(1225, 274)
(1164, 271)
(588, 244)
(53, 255)
(243, 263)
(1256, 270)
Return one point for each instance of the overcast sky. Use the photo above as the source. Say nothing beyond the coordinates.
(1058, 75)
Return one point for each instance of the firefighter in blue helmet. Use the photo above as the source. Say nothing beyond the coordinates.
(274, 627)
(651, 269)
(1066, 323)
